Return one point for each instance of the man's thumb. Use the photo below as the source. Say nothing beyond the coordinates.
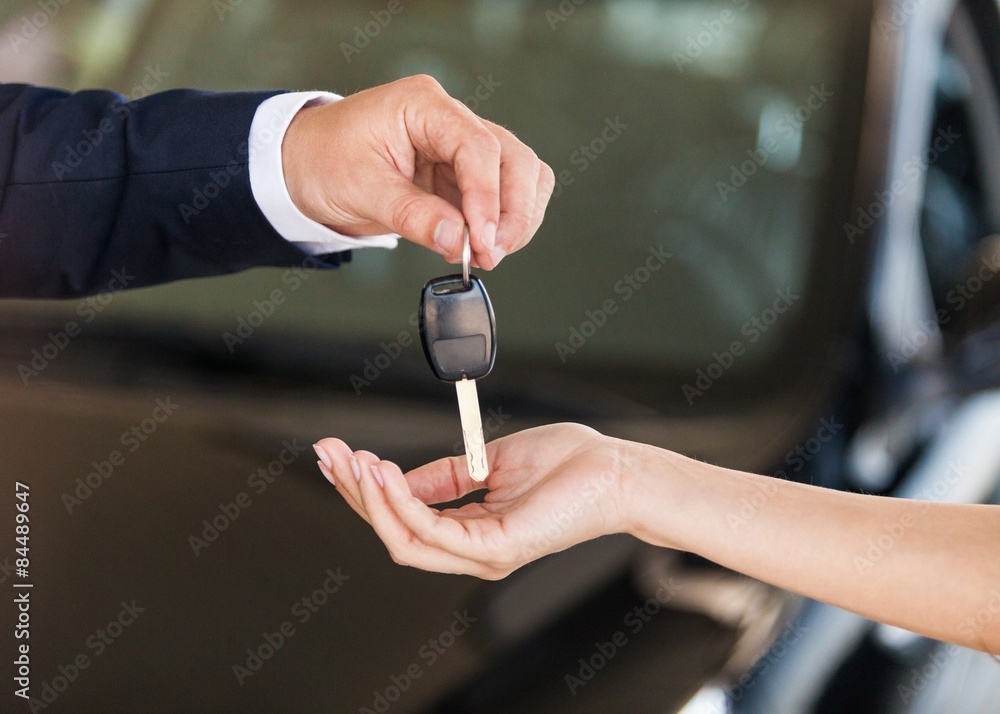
(423, 218)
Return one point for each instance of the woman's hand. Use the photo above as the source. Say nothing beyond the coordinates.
(555, 486)
(550, 488)
(407, 158)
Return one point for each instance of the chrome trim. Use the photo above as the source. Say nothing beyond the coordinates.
(900, 302)
(795, 684)
(968, 446)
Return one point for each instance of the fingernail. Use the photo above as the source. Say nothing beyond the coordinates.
(496, 255)
(489, 237)
(355, 468)
(323, 456)
(378, 476)
(326, 474)
(447, 236)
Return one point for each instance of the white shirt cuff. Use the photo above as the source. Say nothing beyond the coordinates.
(267, 179)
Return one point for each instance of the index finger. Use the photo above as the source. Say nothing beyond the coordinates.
(443, 129)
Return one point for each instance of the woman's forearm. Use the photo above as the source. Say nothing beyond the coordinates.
(929, 568)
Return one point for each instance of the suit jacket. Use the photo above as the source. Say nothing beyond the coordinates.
(93, 186)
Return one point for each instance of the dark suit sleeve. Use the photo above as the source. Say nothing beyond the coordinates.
(93, 187)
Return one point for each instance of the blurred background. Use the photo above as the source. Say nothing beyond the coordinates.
(771, 217)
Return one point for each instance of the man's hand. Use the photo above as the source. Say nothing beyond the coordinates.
(550, 488)
(406, 158)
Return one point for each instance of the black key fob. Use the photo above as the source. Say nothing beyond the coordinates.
(457, 328)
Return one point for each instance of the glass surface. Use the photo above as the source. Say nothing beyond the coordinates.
(691, 141)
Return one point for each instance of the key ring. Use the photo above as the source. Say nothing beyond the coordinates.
(466, 258)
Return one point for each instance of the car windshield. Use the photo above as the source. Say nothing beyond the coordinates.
(695, 147)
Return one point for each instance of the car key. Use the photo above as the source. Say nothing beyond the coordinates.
(458, 332)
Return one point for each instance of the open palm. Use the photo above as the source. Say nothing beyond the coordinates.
(549, 488)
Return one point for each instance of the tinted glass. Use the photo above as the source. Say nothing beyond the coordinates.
(692, 144)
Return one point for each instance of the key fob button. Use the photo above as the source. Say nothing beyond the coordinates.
(451, 355)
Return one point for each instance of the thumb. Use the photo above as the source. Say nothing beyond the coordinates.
(441, 481)
(421, 217)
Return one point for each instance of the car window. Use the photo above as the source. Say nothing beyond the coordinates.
(692, 142)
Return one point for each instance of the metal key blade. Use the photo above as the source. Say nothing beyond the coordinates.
(472, 428)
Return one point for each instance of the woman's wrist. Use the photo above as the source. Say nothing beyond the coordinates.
(657, 494)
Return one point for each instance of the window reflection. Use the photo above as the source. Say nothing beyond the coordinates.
(699, 88)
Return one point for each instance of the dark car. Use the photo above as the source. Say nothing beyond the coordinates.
(771, 246)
